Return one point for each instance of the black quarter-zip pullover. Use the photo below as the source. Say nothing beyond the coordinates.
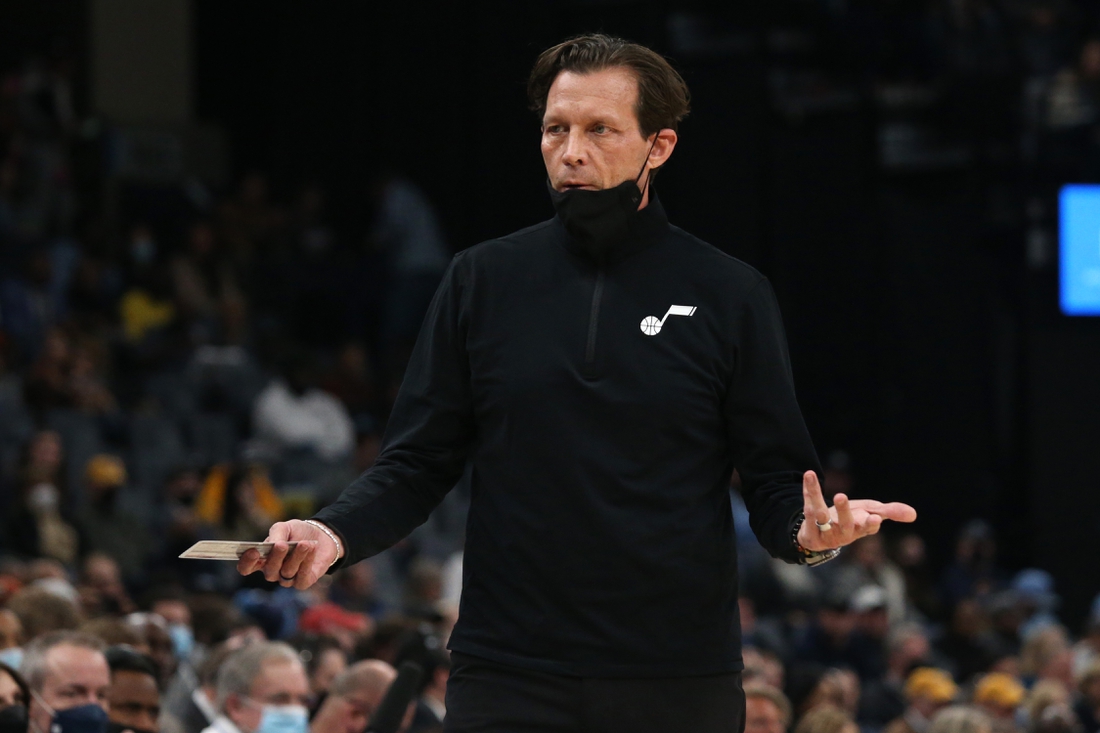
(599, 401)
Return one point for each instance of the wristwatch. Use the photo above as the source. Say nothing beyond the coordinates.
(809, 557)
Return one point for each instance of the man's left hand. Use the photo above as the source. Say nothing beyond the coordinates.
(847, 520)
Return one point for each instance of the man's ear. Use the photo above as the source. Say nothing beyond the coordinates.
(663, 146)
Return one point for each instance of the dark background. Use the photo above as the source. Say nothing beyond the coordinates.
(925, 341)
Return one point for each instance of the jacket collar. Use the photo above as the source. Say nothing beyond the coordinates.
(646, 229)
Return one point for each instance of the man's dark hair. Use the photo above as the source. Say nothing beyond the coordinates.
(663, 97)
(121, 658)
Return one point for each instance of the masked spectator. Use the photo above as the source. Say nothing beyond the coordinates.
(11, 638)
(262, 688)
(68, 677)
(133, 695)
(14, 698)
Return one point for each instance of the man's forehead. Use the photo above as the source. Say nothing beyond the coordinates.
(65, 661)
(279, 673)
(615, 87)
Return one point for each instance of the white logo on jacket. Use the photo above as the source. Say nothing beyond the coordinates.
(651, 325)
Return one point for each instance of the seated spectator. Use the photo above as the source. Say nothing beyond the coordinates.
(291, 412)
(133, 695)
(1044, 694)
(68, 677)
(189, 703)
(826, 719)
(834, 641)
(960, 719)
(113, 631)
(810, 685)
(238, 502)
(927, 691)
(767, 710)
(157, 641)
(354, 697)
(101, 588)
(324, 659)
(11, 638)
(884, 699)
(974, 573)
(1000, 695)
(42, 611)
(430, 655)
(262, 687)
(109, 528)
(969, 642)
(762, 667)
(14, 699)
(1047, 655)
(39, 523)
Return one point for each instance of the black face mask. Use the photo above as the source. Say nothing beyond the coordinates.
(600, 220)
(13, 719)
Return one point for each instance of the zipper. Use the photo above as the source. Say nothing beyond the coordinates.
(593, 319)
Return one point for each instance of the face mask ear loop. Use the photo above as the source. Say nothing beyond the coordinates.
(643, 170)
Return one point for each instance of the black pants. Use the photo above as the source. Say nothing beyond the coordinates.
(485, 697)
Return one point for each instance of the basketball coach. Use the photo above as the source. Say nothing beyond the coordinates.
(600, 375)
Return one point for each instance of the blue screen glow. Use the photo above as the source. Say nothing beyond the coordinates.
(1079, 250)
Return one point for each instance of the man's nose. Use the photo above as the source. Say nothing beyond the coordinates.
(575, 151)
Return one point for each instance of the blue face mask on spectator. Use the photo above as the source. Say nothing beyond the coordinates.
(283, 719)
(12, 656)
(183, 640)
(83, 719)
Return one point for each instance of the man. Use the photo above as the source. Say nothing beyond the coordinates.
(133, 695)
(600, 374)
(767, 710)
(883, 699)
(354, 697)
(107, 525)
(928, 690)
(262, 687)
(68, 677)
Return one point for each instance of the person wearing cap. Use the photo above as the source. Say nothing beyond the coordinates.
(1000, 695)
(927, 690)
(106, 526)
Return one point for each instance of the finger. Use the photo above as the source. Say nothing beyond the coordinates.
(311, 570)
(894, 511)
(872, 524)
(844, 514)
(298, 559)
(250, 562)
(273, 568)
(813, 501)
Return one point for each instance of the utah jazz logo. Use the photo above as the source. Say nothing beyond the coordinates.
(651, 325)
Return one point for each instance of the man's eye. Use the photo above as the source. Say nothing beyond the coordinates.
(599, 129)
(554, 129)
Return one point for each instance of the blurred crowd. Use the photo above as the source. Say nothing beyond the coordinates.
(180, 363)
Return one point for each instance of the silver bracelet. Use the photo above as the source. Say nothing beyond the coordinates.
(331, 536)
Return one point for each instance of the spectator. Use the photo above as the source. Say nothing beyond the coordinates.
(101, 589)
(42, 611)
(969, 642)
(810, 685)
(1047, 655)
(833, 640)
(826, 719)
(190, 703)
(960, 719)
(238, 502)
(11, 638)
(158, 643)
(927, 691)
(113, 631)
(1042, 695)
(205, 283)
(14, 699)
(767, 710)
(262, 687)
(109, 528)
(354, 698)
(974, 573)
(291, 412)
(68, 677)
(249, 222)
(884, 699)
(133, 695)
(1000, 695)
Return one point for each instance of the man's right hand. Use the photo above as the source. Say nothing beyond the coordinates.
(299, 567)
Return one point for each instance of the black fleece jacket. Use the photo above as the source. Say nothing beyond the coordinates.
(599, 402)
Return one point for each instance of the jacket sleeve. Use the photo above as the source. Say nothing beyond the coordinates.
(427, 439)
(768, 439)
